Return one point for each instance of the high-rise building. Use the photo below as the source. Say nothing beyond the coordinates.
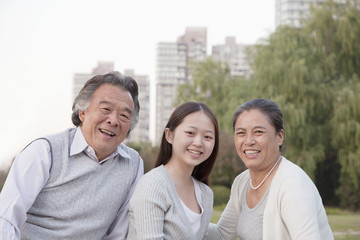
(291, 12)
(141, 131)
(234, 55)
(81, 78)
(172, 69)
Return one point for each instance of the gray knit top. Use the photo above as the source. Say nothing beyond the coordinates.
(156, 211)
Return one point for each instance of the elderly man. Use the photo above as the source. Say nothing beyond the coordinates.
(77, 184)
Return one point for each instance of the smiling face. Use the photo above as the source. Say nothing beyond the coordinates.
(107, 120)
(256, 141)
(193, 140)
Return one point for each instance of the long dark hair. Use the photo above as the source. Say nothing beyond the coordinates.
(202, 171)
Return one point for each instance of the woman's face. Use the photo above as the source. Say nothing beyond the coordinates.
(193, 140)
(256, 141)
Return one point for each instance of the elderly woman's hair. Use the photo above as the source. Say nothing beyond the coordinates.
(267, 107)
(82, 101)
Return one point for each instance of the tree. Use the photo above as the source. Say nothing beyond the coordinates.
(313, 74)
(346, 138)
(212, 84)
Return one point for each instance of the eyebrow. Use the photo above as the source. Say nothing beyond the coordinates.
(210, 131)
(241, 128)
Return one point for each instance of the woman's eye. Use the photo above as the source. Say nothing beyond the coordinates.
(209, 137)
(190, 133)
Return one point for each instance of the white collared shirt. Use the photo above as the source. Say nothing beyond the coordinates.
(28, 175)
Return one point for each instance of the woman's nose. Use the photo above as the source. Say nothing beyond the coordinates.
(197, 141)
(249, 139)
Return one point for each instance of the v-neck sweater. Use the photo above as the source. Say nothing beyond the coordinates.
(156, 211)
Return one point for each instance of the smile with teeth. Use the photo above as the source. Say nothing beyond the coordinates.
(251, 152)
(107, 132)
(195, 152)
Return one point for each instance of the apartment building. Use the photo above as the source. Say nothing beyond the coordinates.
(173, 68)
(234, 55)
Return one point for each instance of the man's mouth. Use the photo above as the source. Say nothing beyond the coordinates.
(107, 132)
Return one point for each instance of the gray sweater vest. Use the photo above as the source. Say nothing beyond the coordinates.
(82, 197)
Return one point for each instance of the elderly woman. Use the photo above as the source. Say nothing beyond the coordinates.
(274, 198)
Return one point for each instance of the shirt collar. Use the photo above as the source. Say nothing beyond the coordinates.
(79, 145)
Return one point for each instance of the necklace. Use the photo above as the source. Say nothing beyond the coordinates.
(265, 176)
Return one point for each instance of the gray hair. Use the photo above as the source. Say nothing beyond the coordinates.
(82, 101)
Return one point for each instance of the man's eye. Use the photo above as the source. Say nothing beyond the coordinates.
(124, 116)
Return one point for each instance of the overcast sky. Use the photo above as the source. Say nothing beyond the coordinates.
(44, 42)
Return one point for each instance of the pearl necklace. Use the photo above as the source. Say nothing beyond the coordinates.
(265, 176)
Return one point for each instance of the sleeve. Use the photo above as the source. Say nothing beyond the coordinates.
(27, 176)
(299, 202)
(225, 229)
(148, 206)
(119, 228)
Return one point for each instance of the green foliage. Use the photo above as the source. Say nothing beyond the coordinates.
(147, 152)
(221, 194)
(346, 138)
(213, 85)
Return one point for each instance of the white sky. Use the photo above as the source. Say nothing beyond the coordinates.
(44, 42)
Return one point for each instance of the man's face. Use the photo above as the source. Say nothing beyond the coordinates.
(107, 120)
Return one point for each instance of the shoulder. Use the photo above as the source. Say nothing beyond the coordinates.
(60, 135)
(291, 172)
(156, 176)
(291, 179)
(154, 186)
(130, 151)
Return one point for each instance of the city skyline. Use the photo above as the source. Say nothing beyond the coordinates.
(44, 43)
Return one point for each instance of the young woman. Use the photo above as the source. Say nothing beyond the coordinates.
(274, 198)
(173, 201)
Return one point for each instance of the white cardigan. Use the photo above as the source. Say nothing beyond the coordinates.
(293, 211)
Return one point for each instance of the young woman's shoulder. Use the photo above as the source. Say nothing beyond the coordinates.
(155, 175)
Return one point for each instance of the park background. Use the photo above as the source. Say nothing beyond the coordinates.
(313, 74)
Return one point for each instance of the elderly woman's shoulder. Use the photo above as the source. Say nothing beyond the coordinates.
(290, 173)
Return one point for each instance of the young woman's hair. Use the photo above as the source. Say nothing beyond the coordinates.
(202, 171)
(267, 107)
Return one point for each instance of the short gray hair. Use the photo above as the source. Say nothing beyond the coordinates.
(82, 101)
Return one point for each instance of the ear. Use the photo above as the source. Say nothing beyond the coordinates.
(281, 137)
(169, 135)
(81, 115)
